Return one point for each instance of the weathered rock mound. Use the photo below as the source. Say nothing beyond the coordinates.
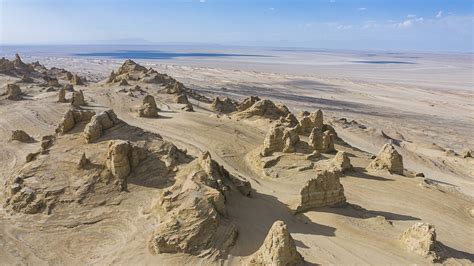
(322, 141)
(122, 158)
(310, 121)
(13, 92)
(263, 109)
(421, 239)
(148, 108)
(341, 162)
(280, 139)
(98, 124)
(388, 159)
(278, 249)
(195, 221)
(324, 190)
(20, 135)
(73, 117)
(224, 106)
(78, 99)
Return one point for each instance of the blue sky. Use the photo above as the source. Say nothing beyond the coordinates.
(421, 25)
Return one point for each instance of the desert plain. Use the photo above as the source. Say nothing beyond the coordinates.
(192, 156)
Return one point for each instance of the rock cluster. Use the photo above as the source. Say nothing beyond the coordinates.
(148, 108)
(195, 221)
(78, 99)
(280, 139)
(323, 190)
(262, 108)
(389, 159)
(122, 158)
(71, 118)
(13, 92)
(224, 106)
(22, 198)
(322, 141)
(421, 239)
(21, 136)
(278, 249)
(310, 121)
(98, 124)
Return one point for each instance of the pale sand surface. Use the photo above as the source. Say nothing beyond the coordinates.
(422, 108)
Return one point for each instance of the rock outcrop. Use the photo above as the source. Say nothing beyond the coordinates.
(224, 106)
(264, 109)
(98, 124)
(71, 118)
(323, 190)
(182, 99)
(341, 162)
(76, 80)
(247, 102)
(467, 153)
(20, 135)
(62, 95)
(188, 108)
(421, 239)
(13, 92)
(280, 139)
(195, 220)
(122, 158)
(148, 108)
(289, 121)
(278, 249)
(310, 121)
(78, 99)
(388, 159)
(322, 141)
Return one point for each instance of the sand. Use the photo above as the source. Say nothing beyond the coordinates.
(420, 112)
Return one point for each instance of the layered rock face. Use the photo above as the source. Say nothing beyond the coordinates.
(71, 118)
(148, 108)
(278, 249)
(98, 124)
(122, 158)
(310, 121)
(13, 92)
(280, 139)
(195, 222)
(421, 239)
(387, 159)
(262, 108)
(324, 190)
(290, 120)
(78, 99)
(322, 141)
(224, 106)
(20, 135)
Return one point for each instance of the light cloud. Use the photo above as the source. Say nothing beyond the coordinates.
(411, 16)
(361, 8)
(440, 14)
(332, 1)
(271, 8)
(408, 23)
(202, 1)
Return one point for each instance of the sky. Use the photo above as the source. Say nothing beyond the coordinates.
(415, 25)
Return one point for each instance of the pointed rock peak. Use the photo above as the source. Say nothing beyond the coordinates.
(278, 248)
